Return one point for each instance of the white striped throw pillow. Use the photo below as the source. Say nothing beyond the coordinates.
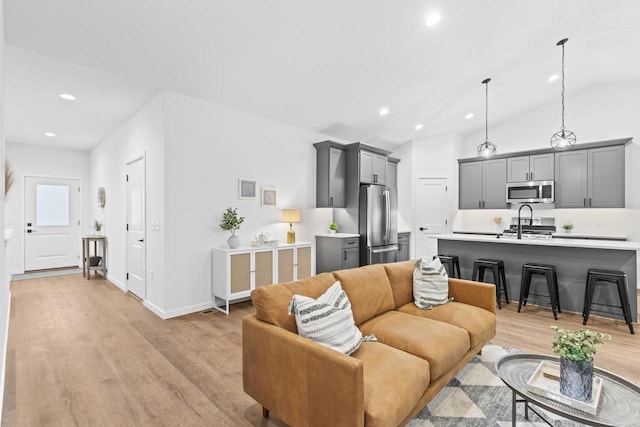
(327, 320)
(430, 284)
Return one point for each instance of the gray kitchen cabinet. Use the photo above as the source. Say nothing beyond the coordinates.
(337, 253)
(592, 178)
(403, 246)
(392, 173)
(482, 184)
(539, 167)
(373, 168)
(330, 175)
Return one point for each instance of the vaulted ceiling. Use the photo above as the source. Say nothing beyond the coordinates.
(328, 66)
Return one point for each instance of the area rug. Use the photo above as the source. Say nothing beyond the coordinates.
(477, 397)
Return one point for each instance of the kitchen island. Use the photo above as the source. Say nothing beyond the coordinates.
(572, 258)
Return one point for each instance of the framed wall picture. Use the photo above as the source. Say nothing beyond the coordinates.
(246, 189)
(269, 196)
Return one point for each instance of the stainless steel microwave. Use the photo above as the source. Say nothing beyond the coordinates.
(530, 192)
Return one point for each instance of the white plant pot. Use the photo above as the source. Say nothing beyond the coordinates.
(233, 241)
(332, 231)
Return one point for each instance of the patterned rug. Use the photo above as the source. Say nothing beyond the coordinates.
(477, 397)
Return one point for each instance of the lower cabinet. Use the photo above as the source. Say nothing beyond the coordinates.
(236, 272)
(403, 246)
(336, 252)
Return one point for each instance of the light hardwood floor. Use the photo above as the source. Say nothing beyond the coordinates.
(85, 353)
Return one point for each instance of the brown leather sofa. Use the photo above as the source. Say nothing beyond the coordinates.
(384, 383)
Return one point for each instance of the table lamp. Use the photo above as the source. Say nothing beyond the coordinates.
(291, 216)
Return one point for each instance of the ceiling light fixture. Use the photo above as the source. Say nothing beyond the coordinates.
(469, 116)
(419, 126)
(384, 111)
(49, 134)
(553, 78)
(487, 149)
(67, 96)
(563, 139)
(432, 19)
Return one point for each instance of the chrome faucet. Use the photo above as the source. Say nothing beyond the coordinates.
(519, 219)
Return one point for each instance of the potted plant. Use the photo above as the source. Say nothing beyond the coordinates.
(97, 225)
(567, 227)
(576, 350)
(232, 222)
(333, 228)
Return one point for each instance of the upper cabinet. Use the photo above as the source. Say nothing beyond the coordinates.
(373, 168)
(330, 175)
(592, 178)
(482, 184)
(392, 173)
(537, 167)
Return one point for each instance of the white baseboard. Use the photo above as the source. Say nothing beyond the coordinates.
(116, 282)
(177, 311)
(4, 358)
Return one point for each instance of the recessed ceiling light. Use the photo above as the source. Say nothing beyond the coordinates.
(432, 19)
(67, 96)
(553, 78)
(419, 126)
(384, 111)
(469, 116)
(49, 134)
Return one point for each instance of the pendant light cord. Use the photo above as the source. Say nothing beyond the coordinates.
(486, 112)
(562, 93)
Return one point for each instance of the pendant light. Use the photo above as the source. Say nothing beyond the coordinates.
(563, 139)
(487, 149)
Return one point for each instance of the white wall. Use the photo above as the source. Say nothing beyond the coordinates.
(208, 147)
(142, 134)
(32, 160)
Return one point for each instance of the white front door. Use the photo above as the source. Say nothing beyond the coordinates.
(52, 223)
(431, 214)
(135, 216)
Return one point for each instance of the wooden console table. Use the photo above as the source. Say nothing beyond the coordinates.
(86, 255)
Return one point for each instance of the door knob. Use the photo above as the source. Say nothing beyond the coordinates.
(424, 229)
(141, 240)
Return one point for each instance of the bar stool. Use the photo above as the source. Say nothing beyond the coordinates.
(499, 279)
(549, 272)
(451, 263)
(607, 276)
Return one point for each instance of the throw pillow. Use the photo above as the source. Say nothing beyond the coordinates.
(327, 320)
(430, 284)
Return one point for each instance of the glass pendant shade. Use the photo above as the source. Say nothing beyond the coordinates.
(487, 149)
(563, 139)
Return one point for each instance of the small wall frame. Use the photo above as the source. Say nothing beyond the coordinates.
(269, 196)
(246, 189)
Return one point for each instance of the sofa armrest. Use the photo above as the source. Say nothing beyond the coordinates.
(481, 295)
(301, 382)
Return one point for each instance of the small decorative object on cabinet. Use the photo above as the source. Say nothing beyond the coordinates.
(333, 228)
(576, 350)
(97, 226)
(290, 216)
(567, 226)
(232, 222)
(236, 272)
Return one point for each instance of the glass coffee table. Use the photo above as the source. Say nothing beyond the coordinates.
(619, 402)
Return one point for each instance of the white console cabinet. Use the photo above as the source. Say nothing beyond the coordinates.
(236, 272)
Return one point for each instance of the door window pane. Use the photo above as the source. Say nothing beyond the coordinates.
(52, 205)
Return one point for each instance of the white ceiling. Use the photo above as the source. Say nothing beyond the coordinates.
(327, 66)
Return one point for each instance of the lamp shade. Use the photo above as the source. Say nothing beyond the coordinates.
(290, 215)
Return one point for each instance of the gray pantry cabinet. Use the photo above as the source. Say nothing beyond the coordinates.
(592, 178)
(482, 184)
(331, 164)
(537, 167)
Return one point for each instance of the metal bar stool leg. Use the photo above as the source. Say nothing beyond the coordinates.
(496, 280)
(522, 288)
(555, 285)
(590, 288)
(504, 284)
(624, 299)
(552, 293)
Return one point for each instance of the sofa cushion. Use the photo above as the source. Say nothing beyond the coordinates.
(430, 284)
(272, 301)
(439, 343)
(480, 324)
(327, 320)
(400, 276)
(394, 381)
(368, 289)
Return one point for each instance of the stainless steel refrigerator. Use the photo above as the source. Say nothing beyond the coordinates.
(378, 224)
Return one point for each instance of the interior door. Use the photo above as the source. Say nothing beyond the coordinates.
(135, 217)
(431, 214)
(52, 223)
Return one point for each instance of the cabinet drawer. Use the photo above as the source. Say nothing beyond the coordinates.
(352, 242)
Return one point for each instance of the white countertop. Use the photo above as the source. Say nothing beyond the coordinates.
(558, 234)
(575, 243)
(337, 235)
(245, 248)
